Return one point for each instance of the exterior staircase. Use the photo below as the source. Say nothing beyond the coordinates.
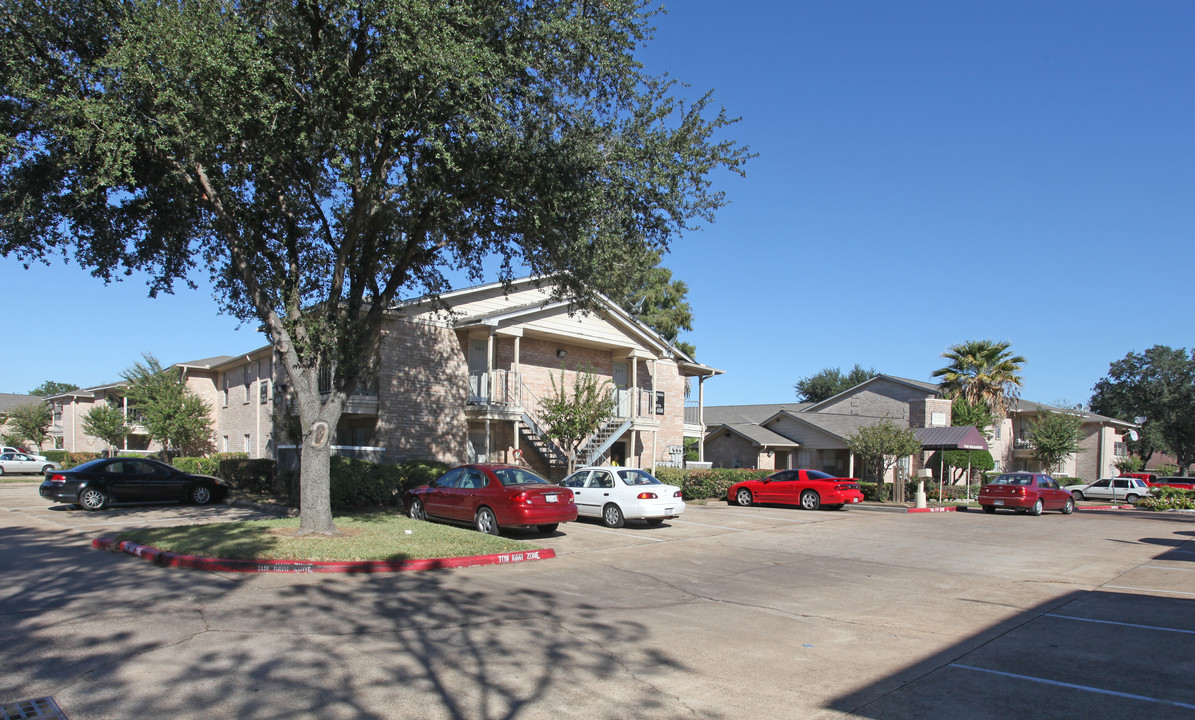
(603, 439)
(549, 452)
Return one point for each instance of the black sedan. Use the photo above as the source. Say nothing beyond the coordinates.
(94, 484)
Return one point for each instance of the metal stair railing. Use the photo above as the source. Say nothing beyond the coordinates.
(532, 429)
(604, 439)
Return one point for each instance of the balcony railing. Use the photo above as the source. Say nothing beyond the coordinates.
(495, 387)
(1023, 443)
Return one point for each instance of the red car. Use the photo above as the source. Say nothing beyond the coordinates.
(491, 497)
(810, 489)
(1025, 492)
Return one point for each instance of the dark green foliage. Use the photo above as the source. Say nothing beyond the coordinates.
(964, 412)
(362, 485)
(710, 483)
(876, 492)
(209, 465)
(107, 423)
(50, 387)
(1168, 498)
(31, 421)
(1159, 385)
(170, 412)
(1056, 436)
(982, 371)
(956, 462)
(256, 476)
(881, 446)
(830, 382)
(78, 458)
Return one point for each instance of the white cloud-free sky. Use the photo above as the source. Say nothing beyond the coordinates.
(928, 173)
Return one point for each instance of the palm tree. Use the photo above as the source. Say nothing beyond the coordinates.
(982, 371)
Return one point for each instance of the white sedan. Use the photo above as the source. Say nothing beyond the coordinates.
(13, 463)
(1115, 489)
(618, 494)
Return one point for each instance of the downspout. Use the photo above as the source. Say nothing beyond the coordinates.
(701, 417)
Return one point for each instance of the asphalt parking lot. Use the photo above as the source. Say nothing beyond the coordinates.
(726, 612)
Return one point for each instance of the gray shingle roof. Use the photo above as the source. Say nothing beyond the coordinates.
(758, 435)
(8, 401)
(729, 414)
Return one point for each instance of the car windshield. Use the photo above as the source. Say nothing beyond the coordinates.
(1013, 480)
(518, 476)
(637, 477)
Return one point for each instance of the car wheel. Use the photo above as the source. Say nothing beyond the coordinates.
(810, 500)
(44, 470)
(549, 528)
(1037, 507)
(485, 522)
(655, 521)
(200, 495)
(989, 509)
(612, 516)
(1132, 499)
(1069, 507)
(743, 497)
(415, 510)
(93, 499)
(1, 471)
(1077, 494)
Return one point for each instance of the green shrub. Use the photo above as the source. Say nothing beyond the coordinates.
(255, 476)
(58, 456)
(1168, 498)
(209, 465)
(73, 459)
(876, 492)
(360, 484)
(710, 483)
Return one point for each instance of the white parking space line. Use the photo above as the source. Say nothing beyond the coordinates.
(1149, 590)
(1072, 686)
(1125, 624)
(616, 532)
(1159, 567)
(720, 527)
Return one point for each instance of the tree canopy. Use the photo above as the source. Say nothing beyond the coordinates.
(830, 382)
(318, 159)
(171, 414)
(983, 370)
(964, 412)
(1159, 385)
(31, 422)
(52, 387)
(571, 419)
(881, 446)
(1056, 436)
(107, 423)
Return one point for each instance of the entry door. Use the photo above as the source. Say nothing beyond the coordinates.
(621, 392)
(479, 390)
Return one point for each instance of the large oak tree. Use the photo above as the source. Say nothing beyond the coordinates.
(318, 158)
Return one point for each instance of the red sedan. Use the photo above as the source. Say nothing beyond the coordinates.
(1025, 492)
(810, 489)
(491, 497)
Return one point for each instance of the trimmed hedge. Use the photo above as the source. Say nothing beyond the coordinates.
(708, 484)
(209, 465)
(1168, 498)
(360, 484)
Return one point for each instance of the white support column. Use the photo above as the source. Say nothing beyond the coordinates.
(701, 417)
(634, 386)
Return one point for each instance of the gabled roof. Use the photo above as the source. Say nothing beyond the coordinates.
(8, 401)
(206, 363)
(607, 308)
(730, 414)
(835, 424)
(760, 436)
(1027, 406)
(928, 388)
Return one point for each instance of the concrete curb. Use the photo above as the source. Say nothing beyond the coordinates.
(170, 559)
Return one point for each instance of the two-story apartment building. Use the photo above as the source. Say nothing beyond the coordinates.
(460, 380)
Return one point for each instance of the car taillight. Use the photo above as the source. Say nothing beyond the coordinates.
(521, 497)
(646, 496)
(57, 478)
(846, 486)
(677, 494)
(1018, 491)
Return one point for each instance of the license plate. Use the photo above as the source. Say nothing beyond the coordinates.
(997, 502)
(854, 500)
(667, 511)
(551, 498)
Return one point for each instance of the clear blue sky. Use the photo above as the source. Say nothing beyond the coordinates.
(928, 173)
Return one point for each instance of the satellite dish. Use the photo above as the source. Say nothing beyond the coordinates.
(1133, 435)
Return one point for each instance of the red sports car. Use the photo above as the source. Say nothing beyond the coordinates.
(810, 489)
(1025, 492)
(491, 497)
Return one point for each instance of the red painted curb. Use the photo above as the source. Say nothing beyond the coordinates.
(169, 559)
(1107, 507)
(945, 508)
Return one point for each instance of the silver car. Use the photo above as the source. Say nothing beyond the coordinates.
(1115, 489)
(15, 463)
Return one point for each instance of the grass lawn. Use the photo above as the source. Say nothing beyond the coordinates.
(380, 536)
(7, 478)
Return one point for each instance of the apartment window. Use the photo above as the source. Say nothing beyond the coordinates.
(264, 388)
(245, 444)
(224, 387)
(224, 444)
(247, 382)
